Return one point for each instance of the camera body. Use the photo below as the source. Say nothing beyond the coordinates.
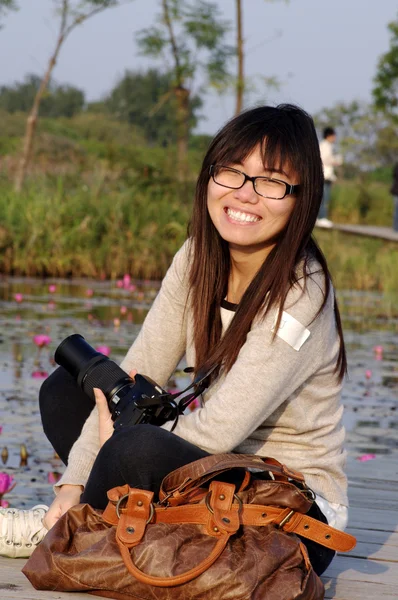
(130, 401)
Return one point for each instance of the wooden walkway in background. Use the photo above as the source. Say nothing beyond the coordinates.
(369, 572)
(384, 233)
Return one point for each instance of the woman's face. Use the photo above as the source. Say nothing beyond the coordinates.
(243, 218)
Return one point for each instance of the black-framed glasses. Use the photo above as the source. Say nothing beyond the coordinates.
(267, 187)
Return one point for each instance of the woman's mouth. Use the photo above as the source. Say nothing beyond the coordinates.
(241, 217)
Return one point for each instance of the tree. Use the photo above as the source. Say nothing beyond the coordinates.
(241, 83)
(368, 138)
(385, 91)
(6, 5)
(72, 13)
(58, 101)
(141, 99)
(240, 79)
(190, 35)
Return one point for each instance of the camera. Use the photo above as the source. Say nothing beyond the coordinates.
(130, 401)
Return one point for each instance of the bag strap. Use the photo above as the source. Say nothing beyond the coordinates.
(221, 504)
(196, 473)
(138, 514)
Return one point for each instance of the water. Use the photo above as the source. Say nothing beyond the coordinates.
(110, 313)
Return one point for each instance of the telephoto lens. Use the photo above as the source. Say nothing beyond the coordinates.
(130, 401)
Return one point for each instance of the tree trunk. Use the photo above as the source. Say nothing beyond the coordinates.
(182, 97)
(32, 121)
(240, 81)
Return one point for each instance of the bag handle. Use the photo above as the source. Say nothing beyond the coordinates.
(198, 472)
(222, 519)
(177, 579)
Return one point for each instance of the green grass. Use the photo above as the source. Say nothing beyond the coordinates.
(360, 263)
(100, 202)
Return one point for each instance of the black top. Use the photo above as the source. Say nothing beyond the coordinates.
(228, 305)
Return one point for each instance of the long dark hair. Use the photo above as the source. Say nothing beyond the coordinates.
(285, 135)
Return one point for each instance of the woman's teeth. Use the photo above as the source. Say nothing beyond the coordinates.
(236, 215)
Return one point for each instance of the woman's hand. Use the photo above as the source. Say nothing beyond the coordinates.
(68, 496)
(105, 418)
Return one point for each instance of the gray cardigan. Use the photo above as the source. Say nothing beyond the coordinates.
(281, 398)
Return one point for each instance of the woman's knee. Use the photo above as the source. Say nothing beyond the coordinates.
(137, 440)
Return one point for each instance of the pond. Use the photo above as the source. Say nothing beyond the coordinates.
(110, 314)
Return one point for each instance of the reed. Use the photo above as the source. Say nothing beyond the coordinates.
(99, 225)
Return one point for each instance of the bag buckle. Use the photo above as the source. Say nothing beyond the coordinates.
(125, 498)
(285, 519)
(209, 508)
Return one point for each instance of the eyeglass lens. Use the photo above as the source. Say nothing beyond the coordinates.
(263, 186)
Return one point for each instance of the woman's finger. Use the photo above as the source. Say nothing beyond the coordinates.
(105, 417)
(133, 373)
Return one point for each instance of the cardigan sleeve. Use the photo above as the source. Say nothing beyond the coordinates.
(161, 343)
(156, 352)
(266, 373)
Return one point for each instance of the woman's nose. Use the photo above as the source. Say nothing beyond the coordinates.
(246, 193)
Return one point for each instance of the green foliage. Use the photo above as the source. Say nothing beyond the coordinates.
(60, 100)
(361, 202)
(368, 138)
(145, 101)
(385, 91)
(360, 263)
(192, 34)
(6, 5)
(59, 229)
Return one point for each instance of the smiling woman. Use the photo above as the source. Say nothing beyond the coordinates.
(249, 297)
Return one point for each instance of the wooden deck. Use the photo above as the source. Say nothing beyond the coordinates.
(384, 233)
(369, 572)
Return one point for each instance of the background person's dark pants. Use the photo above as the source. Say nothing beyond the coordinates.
(327, 194)
(141, 455)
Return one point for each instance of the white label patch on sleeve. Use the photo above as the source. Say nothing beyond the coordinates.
(292, 331)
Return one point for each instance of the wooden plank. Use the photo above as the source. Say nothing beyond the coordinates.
(348, 568)
(15, 586)
(337, 589)
(384, 233)
(367, 518)
(376, 537)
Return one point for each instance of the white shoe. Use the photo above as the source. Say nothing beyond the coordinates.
(324, 223)
(21, 530)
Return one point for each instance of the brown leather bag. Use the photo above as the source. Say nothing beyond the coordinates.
(203, 540)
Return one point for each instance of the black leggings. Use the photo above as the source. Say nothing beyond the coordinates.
(141, 455)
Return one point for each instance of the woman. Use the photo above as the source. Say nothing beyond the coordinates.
(250, 293)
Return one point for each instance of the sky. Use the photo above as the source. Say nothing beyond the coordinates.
(322, 51)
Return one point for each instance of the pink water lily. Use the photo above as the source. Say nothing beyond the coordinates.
(104, 350)
(4, 504)
(89, 292)
(18, 297)
(52, 288)
(41, 340)
(53, 477)
(6, 483)
(123, 310)
(39, 374)
(126, 280)
(366, 457)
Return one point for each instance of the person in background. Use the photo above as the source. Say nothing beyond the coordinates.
(329, 161)
(394, 192)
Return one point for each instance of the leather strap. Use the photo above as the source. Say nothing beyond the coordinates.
(196, 473)
(256, 515)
